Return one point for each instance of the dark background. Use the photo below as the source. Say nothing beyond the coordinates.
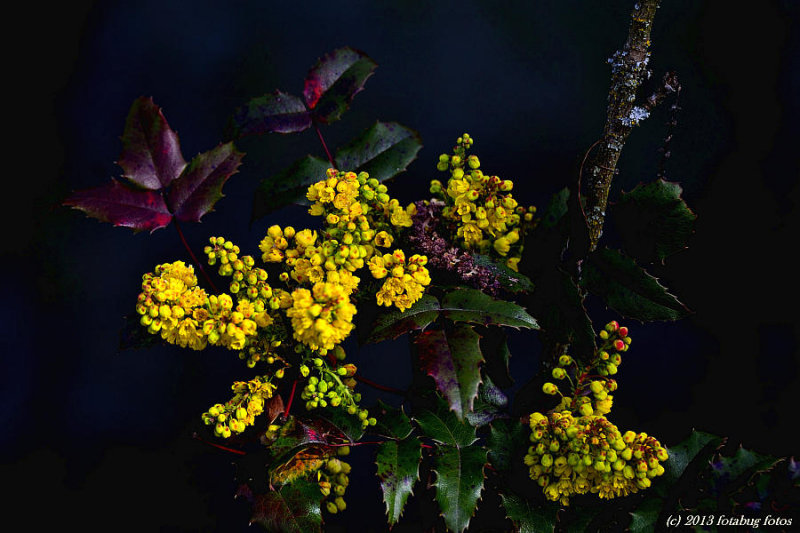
(95, 437)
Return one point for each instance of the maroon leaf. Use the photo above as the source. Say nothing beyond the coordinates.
(123, 206)
(151, 155)
(196, 191)
(452, 358)
(332, 83)
(271, 113)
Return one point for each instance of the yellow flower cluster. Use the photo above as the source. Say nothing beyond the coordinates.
(321, 317)
(576, 449)
(406, 280)
(241, 410)
(173, 305)
(480, 209)
(572, 455)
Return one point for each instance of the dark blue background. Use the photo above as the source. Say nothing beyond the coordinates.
(96, 437)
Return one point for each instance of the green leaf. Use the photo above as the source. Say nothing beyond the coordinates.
(392, 423)
(334, 80)
(335, 422)
(288, 186)
(510, 280)
(528, 518)
(488, 405)
(653, 220)
(452, 358)
(695, 447)
(383, 151)
(472, 305)
(443, 426)
(293, 508)
(506, 437)
(393, 323)
(628, 289)
(459, 483)
(645, 517)
(398, 470)
(729, 473)
(494, 343)
(272, 113)
(558, 304)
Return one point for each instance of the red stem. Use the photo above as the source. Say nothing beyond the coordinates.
(291, 399)
(239, 452)
(191, 253)
(325, 146)
(378, 386)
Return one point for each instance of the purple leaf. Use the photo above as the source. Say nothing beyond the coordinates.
(196, 191)
(272, 113)
(332, 83)
(151, 155)
(453, 358)
(123, 206)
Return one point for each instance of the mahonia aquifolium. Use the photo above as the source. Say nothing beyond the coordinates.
(575, 448)
(241, 410)
(479, 208)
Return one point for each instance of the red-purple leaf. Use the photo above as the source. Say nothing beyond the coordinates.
(452, 358)
(332, 83)
(151, 155)
(272, 113)
(196, 191)
(123, 206)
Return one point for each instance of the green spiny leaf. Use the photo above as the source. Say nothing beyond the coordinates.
(472, 305)
(288, 186)
(505, 437)
(628, 289)
(293, 508)
(452, 358)
(488, 405)
(510, 280)
(392, 423)
(653, 220)
(527, 517)
(393, 323)
(383, 151)
(398, 470)
(272, 113)
(459, 483)
(442, 425)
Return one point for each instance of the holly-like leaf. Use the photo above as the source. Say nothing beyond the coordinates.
(298, 466)
(527, 517)
(121, 205)
(645, 517)
(510, 280)
(334, 80)
(505, 437)
(558, 304)
(337, 425)
(488, 404)
(729, 473)
(288, 186)
(295, 436)
(383, 151)
(278, 112)
(494, 343)
(459, 483)
(697, 446)
(273, 408)
(654, 221)
(472, 305)
(293, 508)
(151, 154)
(392, 423)
(629, 289)
(452, 358)
(393, 323)
(398, 470)
(199, 187)
(442, 425)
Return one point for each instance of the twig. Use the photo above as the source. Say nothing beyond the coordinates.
(378, 386)
(325, 146)
(194, 259)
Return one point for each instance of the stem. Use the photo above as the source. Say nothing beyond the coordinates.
(291, 399)
(238, 452)
(629, 69)
(194, 259)
(378, 386)
(325, 146)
